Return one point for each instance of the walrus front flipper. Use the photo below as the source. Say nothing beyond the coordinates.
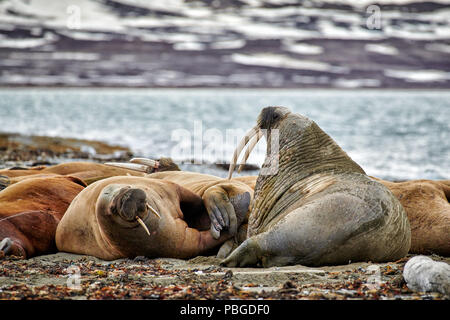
(220, 210)
(11, 248)
(227, 207)
(4, 182)
(5, 246)
(8, 247)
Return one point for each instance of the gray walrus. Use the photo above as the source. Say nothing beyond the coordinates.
(319, 207)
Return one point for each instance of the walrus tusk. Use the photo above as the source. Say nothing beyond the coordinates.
(148, 162)
(253, 131)
(142, 224)
(153, 211)
(249, 149)
(130, 166)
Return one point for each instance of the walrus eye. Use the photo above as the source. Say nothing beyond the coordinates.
(275, 116)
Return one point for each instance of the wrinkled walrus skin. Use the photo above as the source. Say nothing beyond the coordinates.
(102, 220)
(30, 211)
(427, 205)
(320, 208)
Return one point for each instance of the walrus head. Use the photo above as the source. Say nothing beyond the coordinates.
(127, 207)
(296, 149)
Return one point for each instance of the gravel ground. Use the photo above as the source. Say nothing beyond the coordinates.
(69, 276)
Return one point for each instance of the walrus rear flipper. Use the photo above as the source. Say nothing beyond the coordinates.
(4, 182)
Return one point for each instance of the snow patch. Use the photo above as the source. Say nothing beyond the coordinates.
(25, 43)
(381, 49)
(302, 48)
(282, 61)
(418, 75)
(189, 46)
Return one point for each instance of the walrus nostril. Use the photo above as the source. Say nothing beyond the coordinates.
(131, 203)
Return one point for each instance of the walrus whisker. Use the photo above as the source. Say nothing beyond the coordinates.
(145, 161)
(153, 210)
(252, 132)
(249, 149)
(142, 224)
(130, 166)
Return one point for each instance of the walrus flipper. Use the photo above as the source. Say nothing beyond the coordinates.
(227, 208)
(220, 210)
(5, 246)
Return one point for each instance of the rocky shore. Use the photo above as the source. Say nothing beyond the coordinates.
(17, 150)
(69, 276)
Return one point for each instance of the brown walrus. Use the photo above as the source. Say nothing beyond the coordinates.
(426, 203)
(317, 206)
(30, 211)
(89, 172)
(115, 217)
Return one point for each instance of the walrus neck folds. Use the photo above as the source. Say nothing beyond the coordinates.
(309, 153)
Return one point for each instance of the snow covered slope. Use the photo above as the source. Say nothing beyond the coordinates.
(226, 43)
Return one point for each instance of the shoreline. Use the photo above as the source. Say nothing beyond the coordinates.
(224, 88)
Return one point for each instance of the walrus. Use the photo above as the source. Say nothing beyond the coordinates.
(426, 203)
(427, 206)
(30, 211)
(317, 207)
(89, 172)
(129, 216)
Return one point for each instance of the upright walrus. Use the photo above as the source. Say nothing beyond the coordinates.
(319, 207)
(130, 216)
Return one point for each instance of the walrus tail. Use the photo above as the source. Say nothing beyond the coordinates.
(4, 182)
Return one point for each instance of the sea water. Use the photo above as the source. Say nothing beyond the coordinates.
(392, 134)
